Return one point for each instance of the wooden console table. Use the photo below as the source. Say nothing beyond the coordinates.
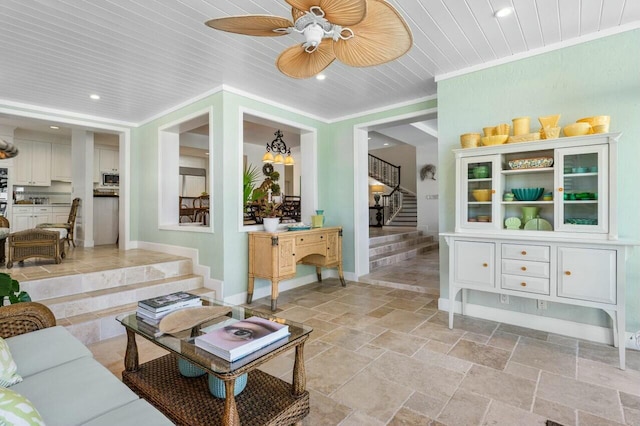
(274, 255)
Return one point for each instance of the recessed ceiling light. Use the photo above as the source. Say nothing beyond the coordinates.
(94, 97)
(320, 77)
(386, 144)
(505, 11)
(54, 127)
(369, 138)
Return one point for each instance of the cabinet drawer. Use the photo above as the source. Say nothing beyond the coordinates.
(525, 268)
(37, 210)
(18, 209)
(526, 252)
(525, 284)
(311, 239)
(307, 249)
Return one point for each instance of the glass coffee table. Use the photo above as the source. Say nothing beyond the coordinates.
(266, 400)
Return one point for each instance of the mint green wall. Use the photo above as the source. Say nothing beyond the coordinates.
(598, 77)
(225, 250)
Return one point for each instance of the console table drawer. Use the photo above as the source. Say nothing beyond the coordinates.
(525, 268)
(526, 252)
(311, 239)
(525, 284)
(307, 249)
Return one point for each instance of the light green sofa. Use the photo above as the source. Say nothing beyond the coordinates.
(62, 379)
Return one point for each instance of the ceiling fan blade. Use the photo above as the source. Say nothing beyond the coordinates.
(295, 62)
(381, 37)
(254, 25)
(297, 13)
(339, 12)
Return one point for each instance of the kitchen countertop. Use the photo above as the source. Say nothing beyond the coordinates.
(42, 205)
(105, 195)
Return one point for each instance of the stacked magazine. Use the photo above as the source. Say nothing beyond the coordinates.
(234, 339)
(151, 311)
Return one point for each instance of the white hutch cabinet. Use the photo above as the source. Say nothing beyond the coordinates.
(568, 252)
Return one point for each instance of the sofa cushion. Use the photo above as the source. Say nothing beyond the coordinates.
(56, 342)
(75, 392)
(16, 410)
(8, 368)
(136, 413)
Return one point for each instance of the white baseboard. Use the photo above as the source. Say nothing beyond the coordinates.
(552, 325)
(205, 271)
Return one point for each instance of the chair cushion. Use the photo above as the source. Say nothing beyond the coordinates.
(84, 384)
(17, 410)
(59, 345)
(63, 232)
(8, 367)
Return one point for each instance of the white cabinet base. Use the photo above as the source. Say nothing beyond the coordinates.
(577, 272)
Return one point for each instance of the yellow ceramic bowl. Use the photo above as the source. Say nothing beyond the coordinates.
(600, 128)
(577, 129)
(549, 121)
(482, 194)
(596, 120)
(470, 140)
(494, 140)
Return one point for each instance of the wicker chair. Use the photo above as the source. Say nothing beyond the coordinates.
(23, 318)
(4, 233)
(69, 225)
(35, 243)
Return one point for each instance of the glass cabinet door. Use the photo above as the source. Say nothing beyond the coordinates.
(478, 179)
(582, 191)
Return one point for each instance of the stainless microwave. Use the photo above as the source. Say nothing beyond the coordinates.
(110, 179)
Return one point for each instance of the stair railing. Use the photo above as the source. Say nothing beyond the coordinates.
(389, 174)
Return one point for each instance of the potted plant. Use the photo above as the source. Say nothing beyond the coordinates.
(270, 214)
(10, 288)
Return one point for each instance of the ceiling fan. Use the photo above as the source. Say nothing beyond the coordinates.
(359, 33)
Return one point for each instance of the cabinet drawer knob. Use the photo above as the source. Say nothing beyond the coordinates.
(524, 268)
(524, 253)
(485, 264)
(567, 272)
(523, 284)
(301, 239)
(321, 236)
(493, 191)
(560, 189)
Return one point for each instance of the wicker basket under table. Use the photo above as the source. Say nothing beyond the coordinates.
(187, 401)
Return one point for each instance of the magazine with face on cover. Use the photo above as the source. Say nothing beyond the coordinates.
(233, 338)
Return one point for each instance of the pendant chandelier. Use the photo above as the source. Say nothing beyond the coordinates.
(279, 147)
(7, 150)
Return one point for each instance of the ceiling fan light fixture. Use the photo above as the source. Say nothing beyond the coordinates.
(503, 12)
(267, 157)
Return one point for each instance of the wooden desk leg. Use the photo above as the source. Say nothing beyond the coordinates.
(250, 290)
(299, 373)
(341, 275)
(319, 273)
(131, 354)
(231, 417)
(274, 294)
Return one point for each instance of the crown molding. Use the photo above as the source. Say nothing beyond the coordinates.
(383, 109)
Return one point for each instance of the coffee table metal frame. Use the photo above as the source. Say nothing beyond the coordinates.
(181, 345)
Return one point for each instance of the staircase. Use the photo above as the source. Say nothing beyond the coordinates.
(88, 304)
(390, 249)
(407, 215)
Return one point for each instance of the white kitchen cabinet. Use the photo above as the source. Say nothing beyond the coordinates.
(60, 162)
(575, 259)
(109, 161)
(27, 217)
(33, 165)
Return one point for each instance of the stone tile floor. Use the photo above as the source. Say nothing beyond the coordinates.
(384, 356)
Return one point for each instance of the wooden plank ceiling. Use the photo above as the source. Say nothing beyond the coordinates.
(145, 56)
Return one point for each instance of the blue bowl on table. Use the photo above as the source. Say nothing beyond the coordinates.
(527, 194)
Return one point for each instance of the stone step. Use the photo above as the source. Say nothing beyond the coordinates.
(375, 241)
(69, 285)
(102, 324)
(382, 248)
(396, 256)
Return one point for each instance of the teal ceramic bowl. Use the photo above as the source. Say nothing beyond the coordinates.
(527, 194)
